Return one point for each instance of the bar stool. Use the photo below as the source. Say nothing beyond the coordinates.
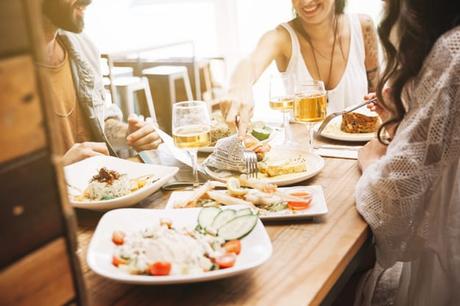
(165, 82)
(129, 88)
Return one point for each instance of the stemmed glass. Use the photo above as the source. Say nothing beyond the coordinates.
(310, 106)
(191, 127)
(282, 96)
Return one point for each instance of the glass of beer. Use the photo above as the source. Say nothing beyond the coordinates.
(282, 99)
(191, 126)
(310, 106)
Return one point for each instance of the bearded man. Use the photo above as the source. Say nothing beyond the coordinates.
(88, 125)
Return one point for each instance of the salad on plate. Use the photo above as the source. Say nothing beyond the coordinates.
(163, 249)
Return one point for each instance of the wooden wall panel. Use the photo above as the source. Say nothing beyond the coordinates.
(30, 212)
(43, 277)
(13, 30)
(21, 120)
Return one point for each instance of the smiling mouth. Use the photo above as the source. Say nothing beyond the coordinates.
(310, 9)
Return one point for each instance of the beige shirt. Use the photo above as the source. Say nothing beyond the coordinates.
(70, 119)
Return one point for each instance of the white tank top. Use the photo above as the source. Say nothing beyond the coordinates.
(352, 87)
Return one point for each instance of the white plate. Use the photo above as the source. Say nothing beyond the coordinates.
(256, 248)
(333, 131)
(315, 164)
(317, 207)
(79, 175)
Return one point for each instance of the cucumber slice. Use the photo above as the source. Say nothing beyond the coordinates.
(223, 217)
(207, 215)
(238, 227)
(243, 212)
(261, 133)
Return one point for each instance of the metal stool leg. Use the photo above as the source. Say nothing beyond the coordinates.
(172, 90)
(126, 100)
(188, 88)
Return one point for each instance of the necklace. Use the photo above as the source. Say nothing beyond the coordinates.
(307, 38)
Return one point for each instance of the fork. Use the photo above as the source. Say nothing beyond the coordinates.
(333, 115)
(250, 159)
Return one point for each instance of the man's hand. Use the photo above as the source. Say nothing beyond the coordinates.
(370, 153)
(80, 151)
(141, 134)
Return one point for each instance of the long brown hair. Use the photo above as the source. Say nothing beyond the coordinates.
(418, 23)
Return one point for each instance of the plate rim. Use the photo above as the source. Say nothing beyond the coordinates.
(358, 137)
(171, 279)
(115, 203)
(324, 212)
(281, 182)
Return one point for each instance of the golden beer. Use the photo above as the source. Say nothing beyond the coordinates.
(310, 108)
(282, 104)
(192, 137)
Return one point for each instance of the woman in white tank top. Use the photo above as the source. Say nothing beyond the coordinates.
(321, 43)
(353, 84)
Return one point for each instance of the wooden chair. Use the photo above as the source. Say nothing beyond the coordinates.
(38, 260)
(165, 82)
(132, 90)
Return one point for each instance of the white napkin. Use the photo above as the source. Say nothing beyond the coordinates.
(337, 153)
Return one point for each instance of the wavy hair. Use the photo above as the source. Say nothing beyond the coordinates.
(417, 24)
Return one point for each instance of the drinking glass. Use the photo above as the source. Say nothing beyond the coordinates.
(191, 126)
(282, 99)
(310, 106)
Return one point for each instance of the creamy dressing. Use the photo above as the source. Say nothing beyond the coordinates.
(187, 251)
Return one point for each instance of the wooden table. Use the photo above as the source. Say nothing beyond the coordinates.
(309, 257)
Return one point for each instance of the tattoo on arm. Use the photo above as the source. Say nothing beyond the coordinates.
(371, 52)
(372, 79)
(115, 131)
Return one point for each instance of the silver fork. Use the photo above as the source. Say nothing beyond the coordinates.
(250, 159)
(348, 110)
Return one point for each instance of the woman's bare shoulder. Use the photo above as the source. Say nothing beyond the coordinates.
(366, 21)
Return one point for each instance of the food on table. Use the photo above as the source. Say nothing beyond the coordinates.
(260, 196)
(109, 184)
(219, 128)
(275, 167)
(359, 123)
(198, 194)
(163, 249)
(261, 131)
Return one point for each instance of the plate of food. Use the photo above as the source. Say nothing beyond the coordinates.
(277, 165)
(267, 200)
(105, 182)
(177, 246)
(352, 127)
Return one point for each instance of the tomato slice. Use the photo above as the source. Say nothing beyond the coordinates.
(298, 205)
(160, 268)
(226, 261)
(233, 246)
(116, 261)
(118, 237)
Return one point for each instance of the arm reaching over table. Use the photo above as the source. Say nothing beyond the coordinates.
(240, 102)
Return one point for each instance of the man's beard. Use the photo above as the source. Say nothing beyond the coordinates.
(61, 14)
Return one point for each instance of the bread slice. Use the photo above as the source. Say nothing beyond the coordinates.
(285, 166)
(359, 123)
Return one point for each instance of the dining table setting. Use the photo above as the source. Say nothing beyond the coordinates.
(267, 219)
